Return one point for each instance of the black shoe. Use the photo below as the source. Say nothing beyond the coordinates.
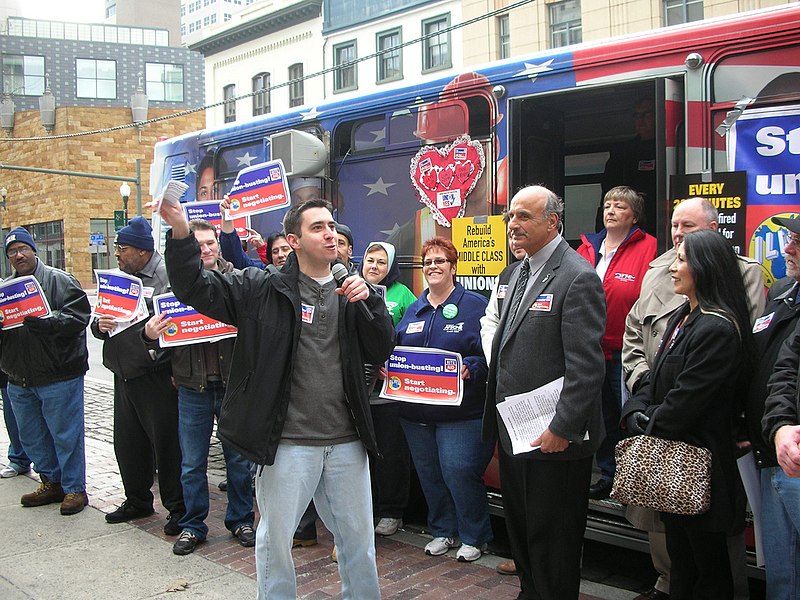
(245, 535)
(127, 512)
(223, 485)
(171, 527)
(186, 543)
(600, 490)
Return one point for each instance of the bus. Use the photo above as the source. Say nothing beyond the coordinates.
(710, 108)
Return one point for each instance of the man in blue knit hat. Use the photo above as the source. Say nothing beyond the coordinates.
(145, 401)
(46, 360)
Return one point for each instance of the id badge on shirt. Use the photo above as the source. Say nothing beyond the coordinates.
(307, 312)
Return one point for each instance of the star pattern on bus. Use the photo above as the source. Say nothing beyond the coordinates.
(389, 232)
(310, 114)
(533, 70)
(189, 168)
(379, 134)
(244, 161)
(379, 187)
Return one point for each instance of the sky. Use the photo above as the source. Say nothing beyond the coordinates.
(78, 11)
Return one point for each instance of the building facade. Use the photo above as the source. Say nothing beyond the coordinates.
(91, 71)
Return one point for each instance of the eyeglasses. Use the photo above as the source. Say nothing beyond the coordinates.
(434, 261)
(22, 250)
(120, 247)
(793, 240)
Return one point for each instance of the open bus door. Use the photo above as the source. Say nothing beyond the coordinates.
(568, 141)
(565, 141)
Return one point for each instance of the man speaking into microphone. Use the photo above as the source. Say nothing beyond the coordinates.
(296, 402)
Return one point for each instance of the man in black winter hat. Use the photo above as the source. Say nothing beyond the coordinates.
(145, 401)
(46, 360)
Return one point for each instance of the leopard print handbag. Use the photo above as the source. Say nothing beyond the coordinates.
(665, 475)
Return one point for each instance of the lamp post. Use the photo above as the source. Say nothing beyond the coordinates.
(47, 107)
(7, 114)
(139, 103)
(125, 192)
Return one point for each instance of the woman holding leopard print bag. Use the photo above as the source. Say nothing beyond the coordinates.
(690, 396)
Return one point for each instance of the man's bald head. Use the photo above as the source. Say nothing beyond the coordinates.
(692, 215)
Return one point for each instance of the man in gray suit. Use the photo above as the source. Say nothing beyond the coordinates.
(551, 325)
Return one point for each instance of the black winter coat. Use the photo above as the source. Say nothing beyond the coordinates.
(265, 306)
(689, 396)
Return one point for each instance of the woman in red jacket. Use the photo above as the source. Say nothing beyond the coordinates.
(621, 254)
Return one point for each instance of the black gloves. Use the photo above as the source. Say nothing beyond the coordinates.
(636, 423)
(40, 326)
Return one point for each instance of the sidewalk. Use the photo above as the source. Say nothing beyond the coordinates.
(48, 556)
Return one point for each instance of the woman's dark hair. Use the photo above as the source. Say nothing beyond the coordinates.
(719, 286)
(273, 237)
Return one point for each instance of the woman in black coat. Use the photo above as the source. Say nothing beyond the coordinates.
(690, 395)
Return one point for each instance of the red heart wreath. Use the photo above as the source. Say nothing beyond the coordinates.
(444, 177)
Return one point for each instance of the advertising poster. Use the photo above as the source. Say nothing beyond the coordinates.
(765, 142)
(187, 325)
(727, 192)
(424, 376)
(19, 298)
(119, 295)
(259, 189)
(209, 211)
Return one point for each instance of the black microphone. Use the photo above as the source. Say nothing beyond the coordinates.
(340, 273)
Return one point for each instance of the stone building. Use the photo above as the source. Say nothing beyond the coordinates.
(92, 71)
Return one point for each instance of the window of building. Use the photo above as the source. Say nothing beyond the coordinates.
(229, 93)
(390, 61)
(565, 23)
(296, 88)
(226, 17)
(345, 77)
(261, 100)
(102, 230)
(682, 11)
(23, 75)
(111, 10)
(49, 239)
(164, 82)
(213, 18)
(436, 45)
(503, 37)
(96, 78)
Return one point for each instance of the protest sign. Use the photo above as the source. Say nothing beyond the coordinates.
(424, 376)
(19, 298)
(259, 189)
(187, 325)
(118, 295)
(209, 211)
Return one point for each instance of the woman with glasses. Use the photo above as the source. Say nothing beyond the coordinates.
(445, 441)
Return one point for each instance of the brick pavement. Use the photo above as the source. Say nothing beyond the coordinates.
(404, 569)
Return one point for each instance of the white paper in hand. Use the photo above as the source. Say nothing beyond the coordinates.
(173, 191)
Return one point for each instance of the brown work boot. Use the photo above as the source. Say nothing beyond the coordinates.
(48, 492)
(74, 502)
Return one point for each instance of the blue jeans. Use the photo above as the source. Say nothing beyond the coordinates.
(196, 412)
(337, 477)
(16, 455)
(780, 521)
(450, 459)
(612, 411)
(50, 419)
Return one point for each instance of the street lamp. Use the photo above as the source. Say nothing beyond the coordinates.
(7, 114)
(125, 192)
(47, 107)
(139, 107)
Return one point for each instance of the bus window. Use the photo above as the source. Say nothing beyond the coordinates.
(369, 136)
(442, 122)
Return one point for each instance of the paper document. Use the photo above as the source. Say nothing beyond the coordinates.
(527, 415)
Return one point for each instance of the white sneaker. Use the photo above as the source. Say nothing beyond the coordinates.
(388, 526)
(11, 471)
(469, 553)
(439, 545)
